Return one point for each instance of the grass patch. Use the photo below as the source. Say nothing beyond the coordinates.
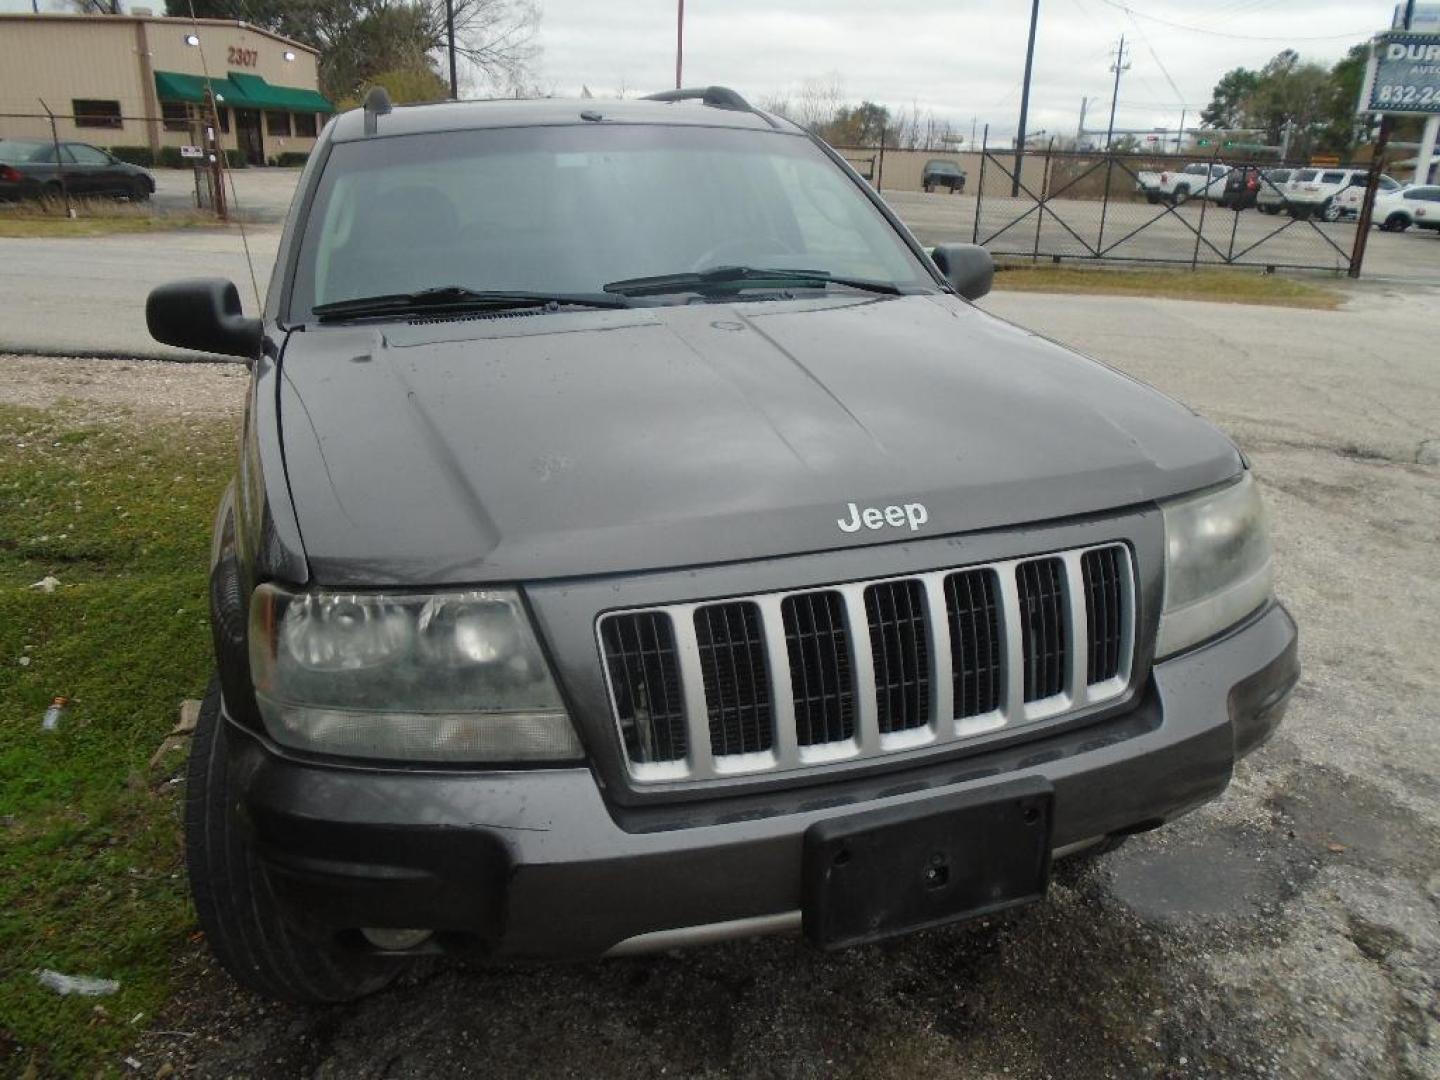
(91, 875)
(95, 217)
(1224, 286)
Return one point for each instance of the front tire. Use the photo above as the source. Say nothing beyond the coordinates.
(1329, 211)
(248, 931)
(1396, 223)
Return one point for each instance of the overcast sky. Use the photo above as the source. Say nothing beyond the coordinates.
(961, 58)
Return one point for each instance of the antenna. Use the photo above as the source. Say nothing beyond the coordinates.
(377, 104)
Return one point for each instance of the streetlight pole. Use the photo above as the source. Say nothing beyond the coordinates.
(679, 41)
(1025, 99)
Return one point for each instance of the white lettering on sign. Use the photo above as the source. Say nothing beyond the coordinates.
(1420, 54)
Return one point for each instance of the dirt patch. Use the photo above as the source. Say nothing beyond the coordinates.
(111, 388)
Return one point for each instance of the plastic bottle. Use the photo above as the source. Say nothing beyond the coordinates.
(54, 713)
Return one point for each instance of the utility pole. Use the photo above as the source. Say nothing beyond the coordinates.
(679, 42)
(1080, 131)
(1180, 138)
(450, 37)
(1119, 67)
(1025, 98)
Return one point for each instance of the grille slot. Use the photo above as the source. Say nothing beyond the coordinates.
(645, 684)
(737, 681)
(973, 608)
(789, 680)
(1042, 625)
(1104, 617)
(899, 646)
(818, 644)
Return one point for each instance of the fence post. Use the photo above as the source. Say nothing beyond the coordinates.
(1104, 204)
(1204, 198)
(59, 161)
(1040, 205)
(980, 184)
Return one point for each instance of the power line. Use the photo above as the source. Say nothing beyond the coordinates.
(1119, 5)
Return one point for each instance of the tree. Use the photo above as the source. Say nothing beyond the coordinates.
(357, 39)
(405, 86)
(863, 125)
(1227, 102)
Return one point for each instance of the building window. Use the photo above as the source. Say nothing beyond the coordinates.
(277, 123)
(96, 114)
(305, 124)
(224, 119)
(176, 115)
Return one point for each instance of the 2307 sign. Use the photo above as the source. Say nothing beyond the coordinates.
(242, 57)
(1403, 75)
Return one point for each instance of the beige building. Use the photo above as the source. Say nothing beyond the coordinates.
(140, 80)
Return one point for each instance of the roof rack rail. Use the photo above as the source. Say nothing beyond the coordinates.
(717, 97)
(377, 104)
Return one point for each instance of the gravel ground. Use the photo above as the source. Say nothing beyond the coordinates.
(1291, 929)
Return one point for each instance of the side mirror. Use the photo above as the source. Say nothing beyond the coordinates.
(202, 314)
(968, 267)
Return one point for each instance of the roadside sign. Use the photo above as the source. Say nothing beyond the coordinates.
(1403, 75)
(1324, 161)
(191, 152)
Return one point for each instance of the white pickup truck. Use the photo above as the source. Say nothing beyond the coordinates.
(1177, 185)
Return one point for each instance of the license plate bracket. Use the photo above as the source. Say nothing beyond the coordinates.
(876, 874)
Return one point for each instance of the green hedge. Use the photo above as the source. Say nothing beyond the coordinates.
(291, 158)
(169, 158)
(135, 155)
(235, 159)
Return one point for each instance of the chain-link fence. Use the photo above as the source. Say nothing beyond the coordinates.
(1163, 209)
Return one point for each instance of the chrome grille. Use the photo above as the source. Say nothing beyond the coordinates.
(787, 680)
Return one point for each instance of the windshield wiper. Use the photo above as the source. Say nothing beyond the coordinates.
(745, 277)
(456, 298)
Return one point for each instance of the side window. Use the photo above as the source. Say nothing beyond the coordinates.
(86, 155)
(1332, 178)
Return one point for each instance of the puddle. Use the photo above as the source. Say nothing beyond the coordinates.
(1219, 874)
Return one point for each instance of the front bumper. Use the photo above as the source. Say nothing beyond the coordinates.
(538, 863)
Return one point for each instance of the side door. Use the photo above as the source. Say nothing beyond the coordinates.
(95, 172)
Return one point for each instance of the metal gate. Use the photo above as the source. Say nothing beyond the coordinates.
(1058, 205)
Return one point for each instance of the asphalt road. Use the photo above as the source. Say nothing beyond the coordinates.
(1291, 929)
(88, 296)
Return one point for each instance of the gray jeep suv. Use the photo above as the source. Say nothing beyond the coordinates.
(637, 539)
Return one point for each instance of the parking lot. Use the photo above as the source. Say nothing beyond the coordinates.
(1288, 930)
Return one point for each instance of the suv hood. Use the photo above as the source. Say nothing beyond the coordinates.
(533, 446)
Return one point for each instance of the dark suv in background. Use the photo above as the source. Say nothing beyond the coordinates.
(940, 173)
(638, 539)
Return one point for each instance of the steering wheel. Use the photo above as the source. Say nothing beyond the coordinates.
(711, 258)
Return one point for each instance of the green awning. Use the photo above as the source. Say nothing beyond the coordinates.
(293, 98)
(240, 91)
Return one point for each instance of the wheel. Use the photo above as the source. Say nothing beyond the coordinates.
(52, 191)
(1181, 194)
(929, 187)
(246, 927)
(1329, 211)
(139, 191)
(1152, 197)
(1396, 222)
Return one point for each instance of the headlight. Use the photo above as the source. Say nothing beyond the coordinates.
(1217, 564)
(439, 677)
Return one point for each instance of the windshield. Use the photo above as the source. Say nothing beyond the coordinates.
(568, 209)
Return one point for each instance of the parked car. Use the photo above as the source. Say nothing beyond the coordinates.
(1193, 181)
(1241, 187)
(1314, 192)
(1393, 211)
(942, 174)
(1421, 203)
(31, 169)
(1270, 193)
(727, 573)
